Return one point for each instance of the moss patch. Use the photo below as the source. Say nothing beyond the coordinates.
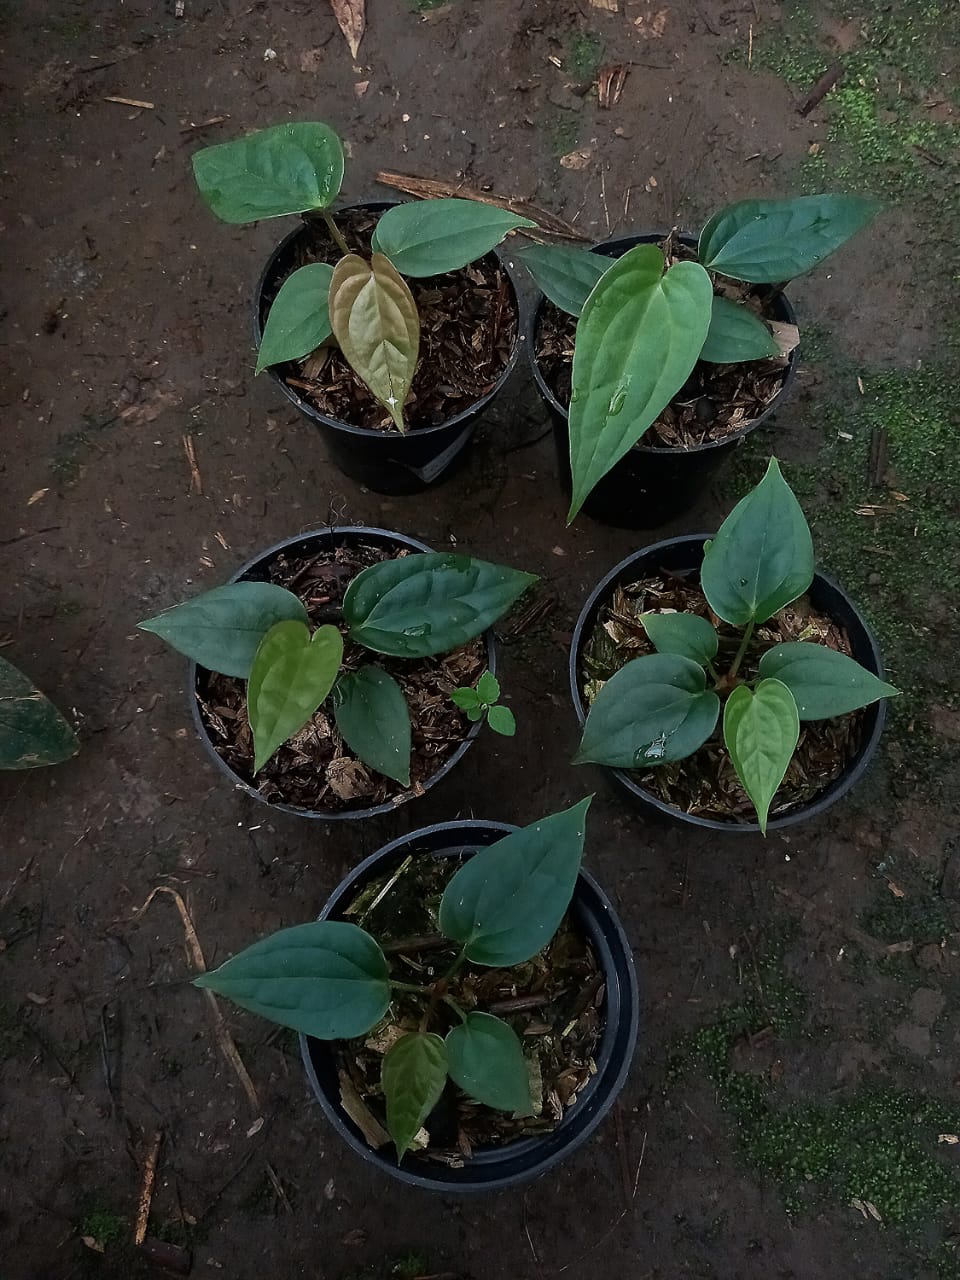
(582, 55)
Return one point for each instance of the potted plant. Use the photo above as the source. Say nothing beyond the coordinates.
(656, 366)
(740, 623)
(466, 1003)
(330, 670)
(33, 733)
(389, 326)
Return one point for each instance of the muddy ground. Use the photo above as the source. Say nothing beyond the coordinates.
(790, 984)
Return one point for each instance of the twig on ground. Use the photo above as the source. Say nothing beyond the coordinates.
(130, 102)
(196, 480)
(146, 1189)
(820, 90)
(429, 188)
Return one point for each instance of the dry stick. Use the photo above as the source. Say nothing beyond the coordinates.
(146, 1191)
(196, 480)
(820, 90)
(224, 1038)
(613, 1226)
(130, 102)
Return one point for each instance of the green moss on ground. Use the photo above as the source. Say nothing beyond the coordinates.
(583, 52)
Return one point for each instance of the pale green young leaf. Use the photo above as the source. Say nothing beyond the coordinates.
(291, 675)
(761, 729)
(413, 1075)
(501, 720)
(299, 318)
(466, 698)
(488, 687)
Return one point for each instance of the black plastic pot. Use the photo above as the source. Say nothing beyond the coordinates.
(683, 556)
(650, 486)
(495, 1168)
(384, 461)
(257, 570)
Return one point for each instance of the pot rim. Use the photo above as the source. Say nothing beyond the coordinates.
(840, 785)
(314, 414)
(328, 533)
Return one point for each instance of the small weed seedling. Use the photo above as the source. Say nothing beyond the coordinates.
(658, 708)
(367, 307)
(415, 606)
(33, 733)
(642, 328)
(331, 979)
(483, 701)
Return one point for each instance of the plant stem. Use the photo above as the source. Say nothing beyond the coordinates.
(456, 966)
(741, 651)
(455, 1007)
(410, 986)
(714, 674)
(335, 232)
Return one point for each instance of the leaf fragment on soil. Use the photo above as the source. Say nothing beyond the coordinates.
(351, 19)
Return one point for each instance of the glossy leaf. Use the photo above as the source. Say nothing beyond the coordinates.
(485, 1058)
(289, 168)
(413, 1076)
(428, 237)
(638, 339)
(374, 719)
(419, 605)
(506, 903)
(654, 710)
(761, 729)
(222, 629)
(488, 687)
(501, 720)
(291, 675)
(33, 733)
(772, 241)
(375, 321)
(736, 333)
(823, 682)
(684, 633)
(565, 276)
(328, 979)
(762, 557)
(299, 319)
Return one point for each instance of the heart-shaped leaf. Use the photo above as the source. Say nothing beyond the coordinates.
(501, 720)
(376, 322)
(565, 276)
(32, 731)
(328, 979)
(428, 237)
(413, 1076)
(684, 633)
(736, 333)
(420, 605)
(374, 719)
(292, 673)
(485, 1058)
(771, 241)
(761, 729)
(222, 629)
(488, 687)
(289, 168)
(506, 903)
(299, 319)
(762, 557)
(638, 339)
(823, 682)
(654, 710)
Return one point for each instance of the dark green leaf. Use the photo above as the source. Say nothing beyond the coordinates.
(771, 241)
(565, 276)
(413, 1075)
(684, 633)
(32, 730)
(501, 720)
(428, 237)
(736, 333)
(328, 979)
(374, 719)
(638, 339)
(762, 557)
(823, 682)
(291, 675)
(655, 710)
(299, 318)
(290, 168)
(506, 903)
(466, 699)
(485, 1058)
(376, 322)
(488, 687)
(222, 629)
(761, 730)
(420, 605)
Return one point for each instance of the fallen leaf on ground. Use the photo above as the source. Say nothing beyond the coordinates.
(576, 159)
(311, 60)
(610, 6)
(351, 19)
(610, 82)
(653, 26)
(35, 497)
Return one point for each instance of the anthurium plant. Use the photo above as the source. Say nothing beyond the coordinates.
(643, 325)
(365, 306)
(664, 706)
(33, 733)
(332, 980)
(415, 606)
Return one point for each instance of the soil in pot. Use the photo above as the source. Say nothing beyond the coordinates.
(717, 401)
(554, 1002)
(705, 784)
(315, 769)
(469, 322)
